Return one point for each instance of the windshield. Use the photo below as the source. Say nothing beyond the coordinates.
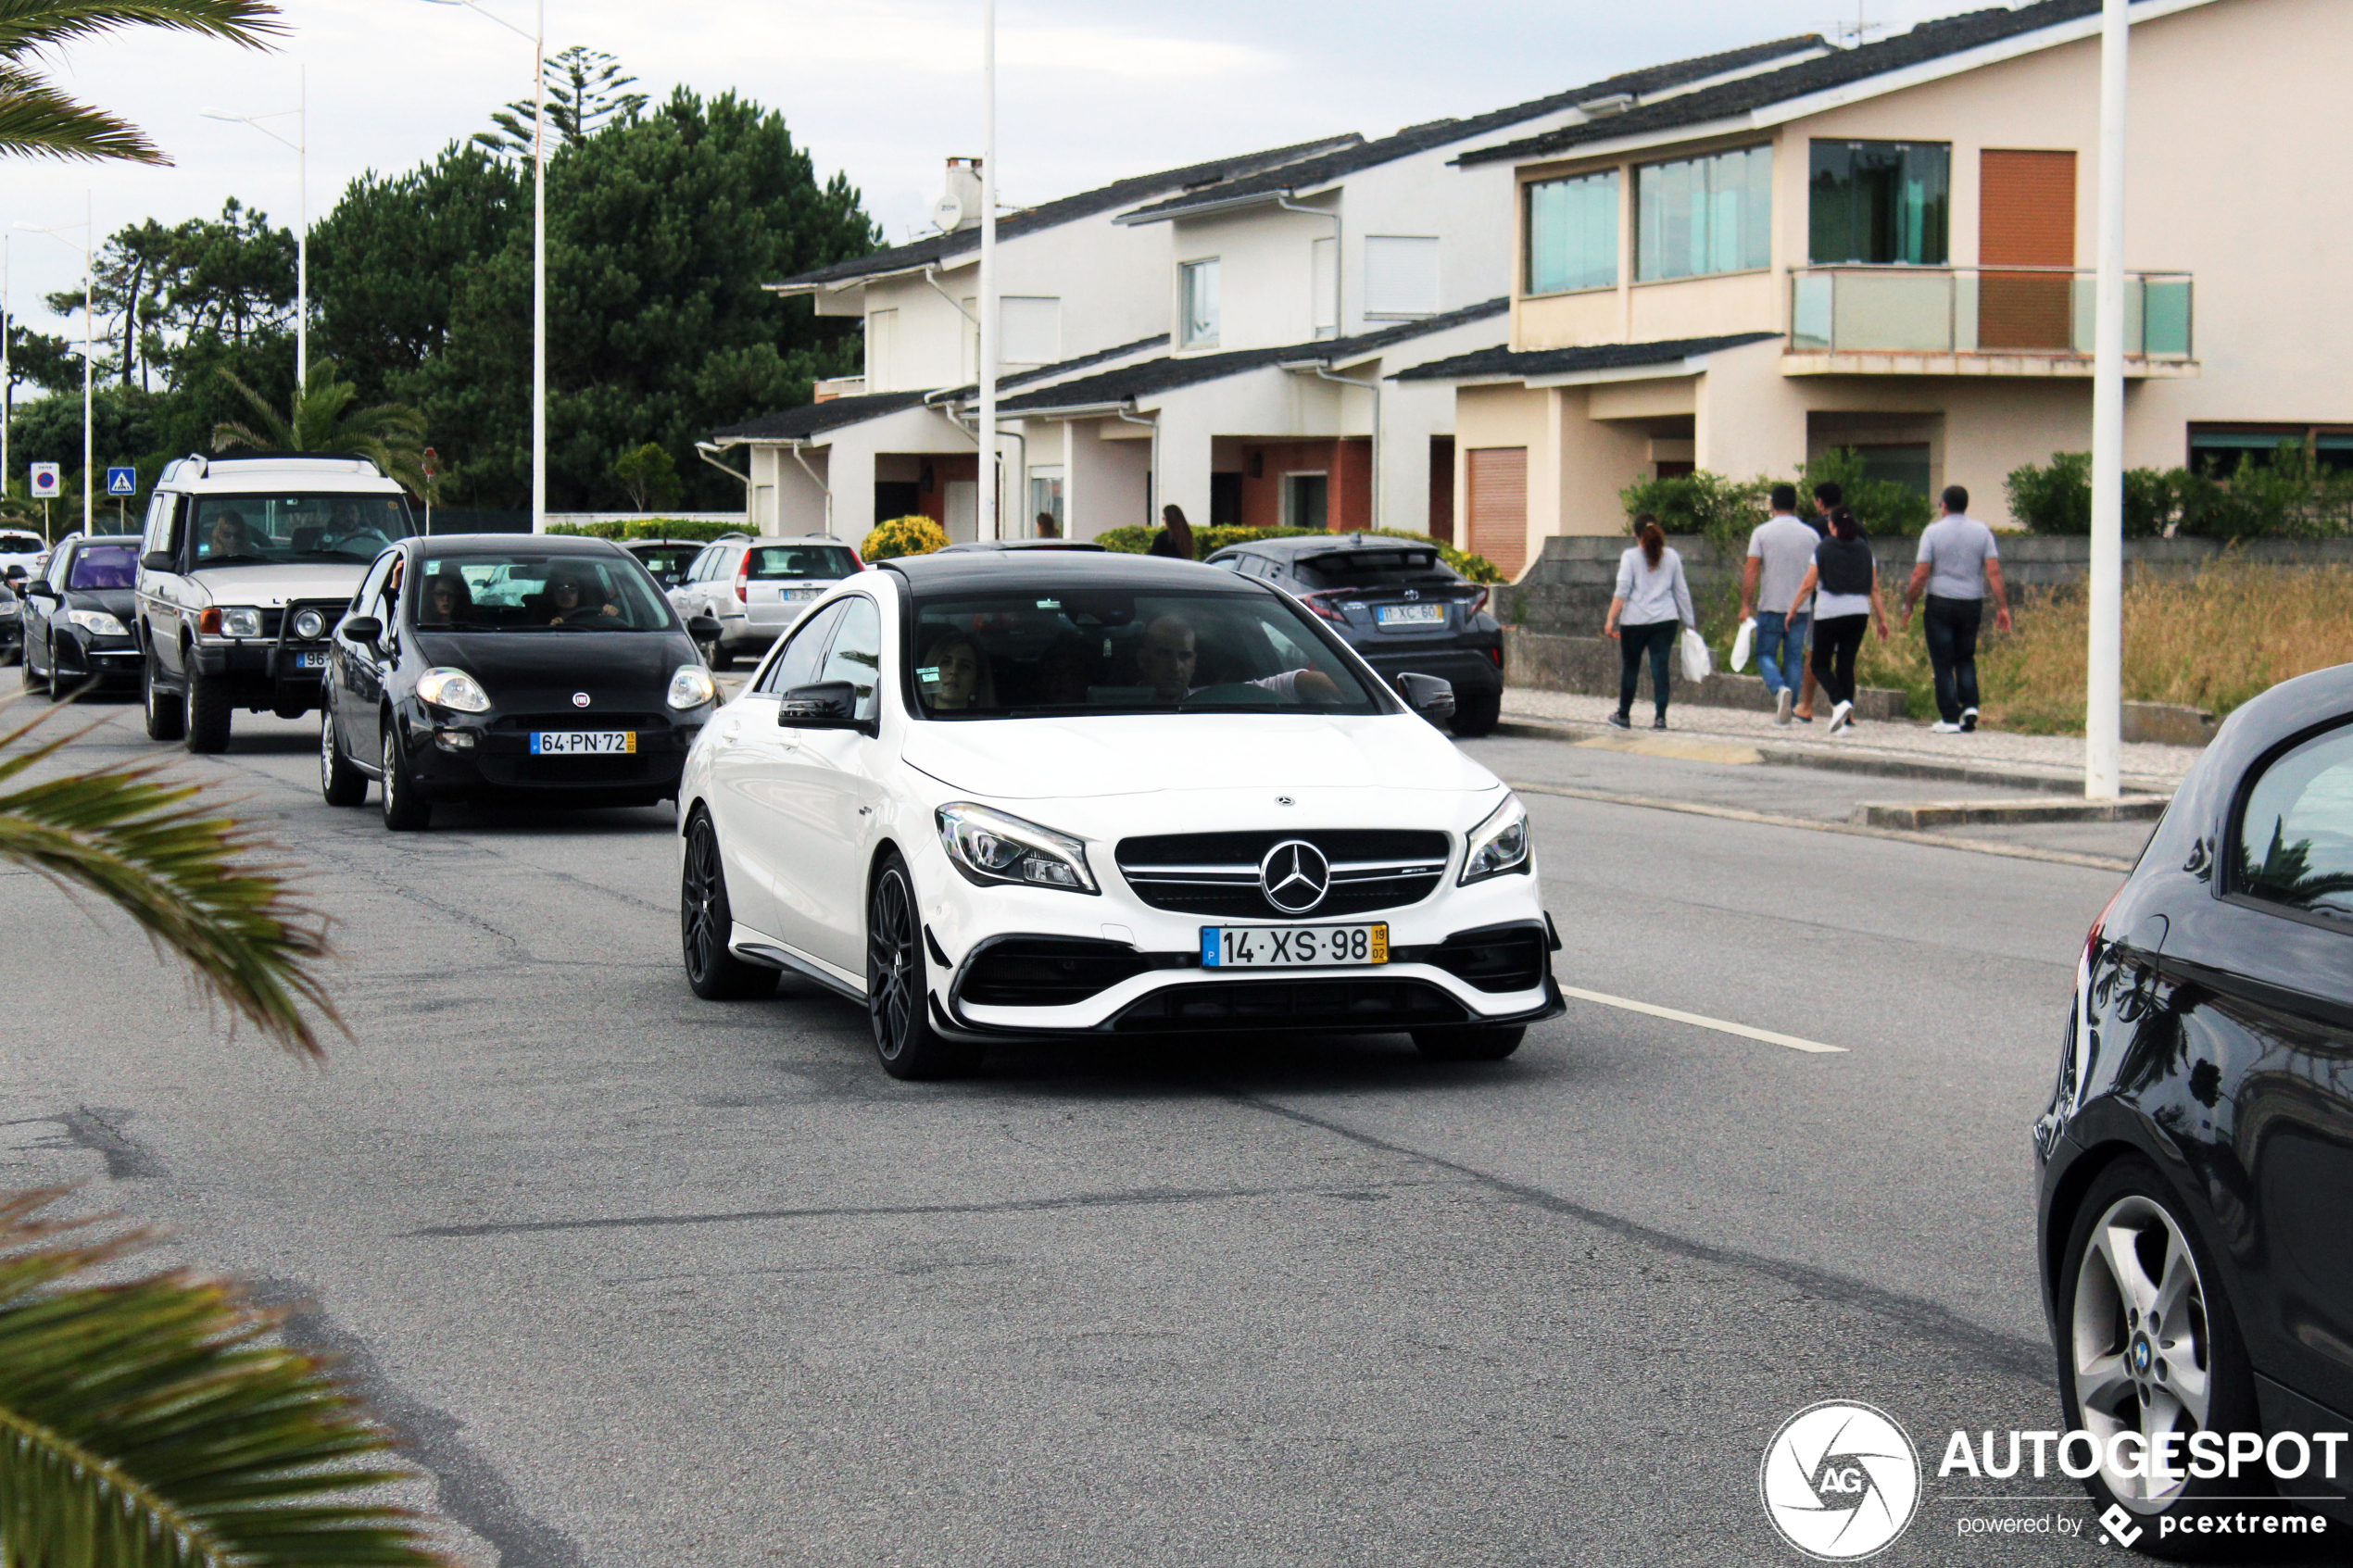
(297, 528)
(104, 566)
(1375, 568)
(1009, 654)
(527, 591)
(805, 563)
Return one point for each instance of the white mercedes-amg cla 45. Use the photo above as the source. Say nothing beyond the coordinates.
(1037, 794)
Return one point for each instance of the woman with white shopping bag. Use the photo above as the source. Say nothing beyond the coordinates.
(1652, 603)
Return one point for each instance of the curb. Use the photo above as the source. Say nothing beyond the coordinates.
(1921, 814)
(1857, 762)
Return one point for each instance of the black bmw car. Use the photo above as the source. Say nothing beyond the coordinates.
(1396, 602)
(2197, 1159)
(482, 666)
(78, 615)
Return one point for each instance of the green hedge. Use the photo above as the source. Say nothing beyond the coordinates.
(650, 528)
(2284, 497)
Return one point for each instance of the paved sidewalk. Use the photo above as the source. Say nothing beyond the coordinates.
(2155, 769)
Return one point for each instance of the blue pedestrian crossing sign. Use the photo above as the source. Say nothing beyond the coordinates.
(122, 482)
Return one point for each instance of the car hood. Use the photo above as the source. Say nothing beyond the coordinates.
(622, 671)
(274, 585)
(120, 603)
(1041, 758)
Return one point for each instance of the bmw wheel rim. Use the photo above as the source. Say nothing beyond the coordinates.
(2140, 1348)
(890, 961)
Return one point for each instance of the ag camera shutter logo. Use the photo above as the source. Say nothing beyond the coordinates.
(1840, 1481)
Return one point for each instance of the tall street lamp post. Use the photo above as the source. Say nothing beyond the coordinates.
(2104, 684)
(989, 480)
(89, 508)
(538, 249)
(300, 143)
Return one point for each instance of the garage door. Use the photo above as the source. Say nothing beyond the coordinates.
(1499, 506)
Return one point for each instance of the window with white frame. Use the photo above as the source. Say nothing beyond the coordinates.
(1400, 275)
(1197, 304)
(1029, 329)
(1572, 233)
(1704, 215)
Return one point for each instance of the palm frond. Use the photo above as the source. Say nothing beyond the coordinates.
(149, 1424)
(26, 25)
(37, 119)
(273, 435)
(158, 851)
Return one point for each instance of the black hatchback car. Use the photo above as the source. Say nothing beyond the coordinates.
(2196, 1161)
(78, 615)
(1396, 602)
(480, 666)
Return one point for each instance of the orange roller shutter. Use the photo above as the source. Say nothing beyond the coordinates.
(1499, 506)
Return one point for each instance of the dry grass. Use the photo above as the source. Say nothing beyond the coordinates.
(2212, 641)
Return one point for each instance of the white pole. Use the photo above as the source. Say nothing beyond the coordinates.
(302, 235)
(540, 275)
(7, 374)
(2104, 684)
(89, 239)
(989, 527)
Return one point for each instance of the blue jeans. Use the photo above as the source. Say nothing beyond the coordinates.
(1781, 649)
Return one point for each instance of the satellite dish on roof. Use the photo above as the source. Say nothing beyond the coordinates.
(947, 212)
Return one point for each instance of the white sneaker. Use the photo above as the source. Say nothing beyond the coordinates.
(1782, 704)
(1942, 728)
(1969, 720)
(1841, 716)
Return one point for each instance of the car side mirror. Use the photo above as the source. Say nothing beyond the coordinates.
(38, 590)
(364, 629)
(1429, 696)
(161, 560)
(706, 629)
(828, 705)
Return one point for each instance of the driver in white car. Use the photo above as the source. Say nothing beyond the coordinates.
(1170, 653)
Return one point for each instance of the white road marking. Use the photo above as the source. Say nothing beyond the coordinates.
(1792, 1041)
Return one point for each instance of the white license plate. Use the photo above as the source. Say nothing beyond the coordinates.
(584, 743)
(1410, 615)
(1286, 947)
(311, 661)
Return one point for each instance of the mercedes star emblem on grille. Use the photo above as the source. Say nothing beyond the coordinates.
(580, 700)
(1294, 876)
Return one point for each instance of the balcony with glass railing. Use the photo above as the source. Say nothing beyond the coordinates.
(1985, 320)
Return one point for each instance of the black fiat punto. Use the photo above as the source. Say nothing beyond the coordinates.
(2197, 1158)
(483, 666)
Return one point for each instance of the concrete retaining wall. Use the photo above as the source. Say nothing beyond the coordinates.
(1566, 591)
(1591, 666)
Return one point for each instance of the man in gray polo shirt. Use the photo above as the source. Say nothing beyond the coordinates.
(1959, 562)
(1779, 552)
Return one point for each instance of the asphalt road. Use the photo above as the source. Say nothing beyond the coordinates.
(645, 1279)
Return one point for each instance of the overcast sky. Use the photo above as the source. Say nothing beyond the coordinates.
(1088, 91)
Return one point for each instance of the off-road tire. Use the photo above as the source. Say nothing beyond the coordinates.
(166, 714)
(209, 710)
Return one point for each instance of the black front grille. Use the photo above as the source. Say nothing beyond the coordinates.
(1368, 1005)
(1506, 957)
(1044, 972)
(646, 724)
(1216, 874)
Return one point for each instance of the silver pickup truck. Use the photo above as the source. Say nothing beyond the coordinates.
(246, 564)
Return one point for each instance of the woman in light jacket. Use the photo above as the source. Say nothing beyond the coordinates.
(1652, 603)
(1849, 603)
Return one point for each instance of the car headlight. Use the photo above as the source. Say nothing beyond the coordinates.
(692, 686)
(9, 611)
(1498, 847)
(97, 623)
(453, 689)
(225, 622)
(990, 848)
(310, 625)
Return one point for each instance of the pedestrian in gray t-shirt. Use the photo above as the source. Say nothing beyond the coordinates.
(1959, 562)
(1780, 553)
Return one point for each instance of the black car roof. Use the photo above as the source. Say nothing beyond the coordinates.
(503, 544)
(1056, 570)
(1299, 545)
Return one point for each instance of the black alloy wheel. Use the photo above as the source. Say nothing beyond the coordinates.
(706, 920)
(1476, 716)
(208, 712)
(405, 809)
(1469, 1042)
(340, 784)
(898, 990)
(2148, 1342)
(167, 720)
